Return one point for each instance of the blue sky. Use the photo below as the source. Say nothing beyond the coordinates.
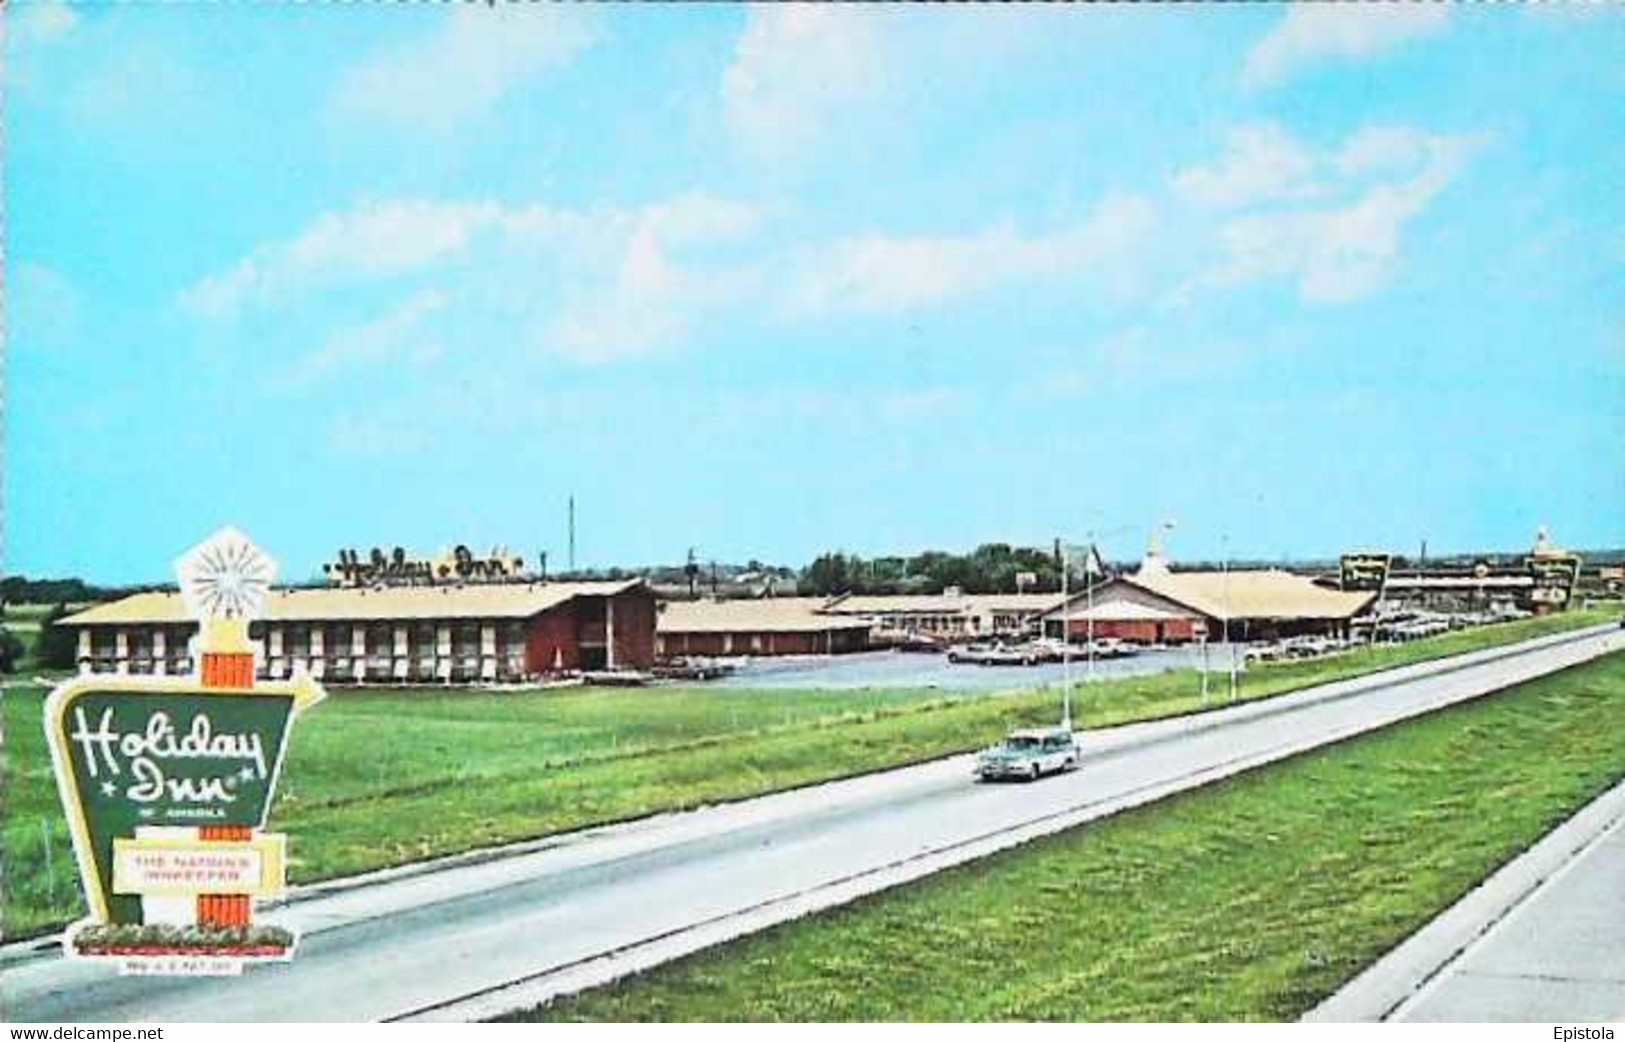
(772, 280)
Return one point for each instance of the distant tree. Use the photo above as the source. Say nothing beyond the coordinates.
(11, 650)
(18, 589)
(832, 573)
(58, 646)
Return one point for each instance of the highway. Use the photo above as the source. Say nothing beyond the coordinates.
(477, 936)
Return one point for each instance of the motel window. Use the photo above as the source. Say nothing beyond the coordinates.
(296, 640)
(421, 638)
(140, 649)
(380, 640)
(103, 643)
(465, 638)
(511, 638)
(178, 643)
(336, 641)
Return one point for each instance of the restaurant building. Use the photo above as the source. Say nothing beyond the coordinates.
(1156, 605)
(756, 626)
(451, 633)
(949, 615)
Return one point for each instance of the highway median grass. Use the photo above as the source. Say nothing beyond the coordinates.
(380, 777)
(1250, 899)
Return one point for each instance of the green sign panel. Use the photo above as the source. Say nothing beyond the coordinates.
(135, 753)
(1555, 576)
(1364, 571)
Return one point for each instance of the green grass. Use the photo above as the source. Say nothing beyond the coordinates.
(381, 777)
(1251, 899)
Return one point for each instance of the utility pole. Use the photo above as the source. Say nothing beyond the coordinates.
(572, 518)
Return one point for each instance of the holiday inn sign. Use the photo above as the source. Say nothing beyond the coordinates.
(167, 782)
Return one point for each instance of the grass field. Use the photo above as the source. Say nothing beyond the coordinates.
(382, 777)
(1251, 899)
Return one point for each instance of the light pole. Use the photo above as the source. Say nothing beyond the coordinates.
(1224, 542)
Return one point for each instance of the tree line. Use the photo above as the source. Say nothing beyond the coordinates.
(990, 568)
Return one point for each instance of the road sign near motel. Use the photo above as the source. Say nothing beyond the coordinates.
(167, 781)
(1555, 575)
(1364, 571)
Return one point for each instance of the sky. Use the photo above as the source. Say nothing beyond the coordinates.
(767, 281)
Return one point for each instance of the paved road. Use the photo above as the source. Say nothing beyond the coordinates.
(484, 935)
(1559, 956)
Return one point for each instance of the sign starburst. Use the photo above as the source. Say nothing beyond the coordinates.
(225, 576)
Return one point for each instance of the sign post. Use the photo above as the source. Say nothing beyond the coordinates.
(1199, 631)
(166, 783)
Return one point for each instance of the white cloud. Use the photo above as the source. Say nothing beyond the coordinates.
(796, 70)
(43, 307)
(374, 240)
(1310, 31)
(887, 273)
(462, 70)
(396, 336)
(41, 22)
(1383, 150)
(592, 284)
(1344, 252)
(1262, 162)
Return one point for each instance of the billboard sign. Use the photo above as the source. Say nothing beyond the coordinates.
(1555, 576)
(166, 783)
(1363, 571)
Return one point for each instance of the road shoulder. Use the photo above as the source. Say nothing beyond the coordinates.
(1408, 980)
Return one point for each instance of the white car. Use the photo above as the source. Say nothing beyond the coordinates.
(1030, 754)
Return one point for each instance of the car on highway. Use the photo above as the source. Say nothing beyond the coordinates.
(1029, 754)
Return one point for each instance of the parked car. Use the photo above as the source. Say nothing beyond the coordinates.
(969, 652)
(994, 655)
(1111, 647)
(1030, 754)
(1050, 649)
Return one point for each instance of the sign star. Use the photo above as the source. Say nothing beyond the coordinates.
(246, 774)
(108, 788)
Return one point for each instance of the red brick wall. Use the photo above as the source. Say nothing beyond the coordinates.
(635, 628)
(552, 641)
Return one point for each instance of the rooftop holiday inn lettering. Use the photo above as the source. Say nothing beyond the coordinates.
(395, 568)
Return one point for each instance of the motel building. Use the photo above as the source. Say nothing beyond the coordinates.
(950, 615)
(1156, 605)
(446, 633)
(758, 626)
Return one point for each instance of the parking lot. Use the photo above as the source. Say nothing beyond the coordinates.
(909, 669)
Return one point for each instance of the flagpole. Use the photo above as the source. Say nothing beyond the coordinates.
(1089, 598)
(1066, 641)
